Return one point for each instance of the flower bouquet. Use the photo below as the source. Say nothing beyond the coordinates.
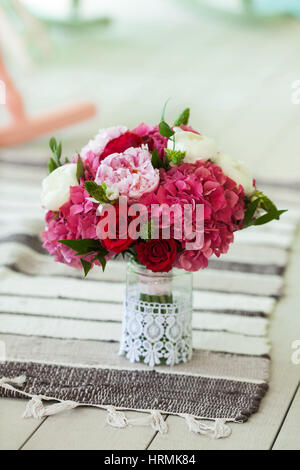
(165, 197)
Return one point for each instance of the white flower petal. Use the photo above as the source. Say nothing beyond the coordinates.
(236, 170)
(197, 147)
(56, 187)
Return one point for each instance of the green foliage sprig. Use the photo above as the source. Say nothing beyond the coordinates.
(166, 130)
(97, 192)
(55, 161)
(260, 201)
(80, 169)
(183, 118)
(158, 162)
(87, 247)
(175, 157)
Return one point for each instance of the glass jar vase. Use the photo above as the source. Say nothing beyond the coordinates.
(157, 323)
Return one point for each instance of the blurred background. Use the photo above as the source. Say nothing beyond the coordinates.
(234, 62)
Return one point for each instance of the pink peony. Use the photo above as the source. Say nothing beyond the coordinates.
(91, 154)
(130, 173)
(151, 137)
(76, 220)
(117, 140)
(122, 143)
(104, 136)
(224, 207)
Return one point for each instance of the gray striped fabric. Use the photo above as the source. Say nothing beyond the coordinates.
(62, 332)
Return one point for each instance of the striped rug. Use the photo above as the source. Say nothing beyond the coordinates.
(62, 333)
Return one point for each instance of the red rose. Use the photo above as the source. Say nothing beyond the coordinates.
(114, 234)
(122, 143)
(157, 255)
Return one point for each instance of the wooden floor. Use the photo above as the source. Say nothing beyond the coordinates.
(238, 79)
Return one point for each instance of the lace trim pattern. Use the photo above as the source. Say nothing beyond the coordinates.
(156, 333)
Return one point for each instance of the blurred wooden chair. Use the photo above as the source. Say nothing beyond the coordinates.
(25, 128)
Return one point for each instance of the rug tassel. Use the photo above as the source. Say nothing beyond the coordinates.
(60, 407)
(219, 430)
(115, 418)
(158, 423)
(35, 408)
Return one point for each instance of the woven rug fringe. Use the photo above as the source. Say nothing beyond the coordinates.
(219, 430)
(117, 419)
(36, 409)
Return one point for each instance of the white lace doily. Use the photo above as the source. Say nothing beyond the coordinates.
(156, 333)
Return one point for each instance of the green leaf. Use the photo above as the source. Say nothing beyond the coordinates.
(97, 192)
(83, 247)
(265, 219)
(266, 203)
(252, 208)
(175, 157)
(86, 247)
(56, 149)
(80, 169)
(53, 145)
(86, 266)
(157, 162)
(183, 118)
(52, 165)
(59, 150)
(165, 130)
(260, 200)
(101, 258)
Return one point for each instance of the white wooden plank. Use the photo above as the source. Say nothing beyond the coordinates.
(261, 430)
(86, 429)
(289, 436)
(14, 430)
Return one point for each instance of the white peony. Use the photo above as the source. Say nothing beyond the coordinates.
(197, 147)
(236, 170)
(56, 187)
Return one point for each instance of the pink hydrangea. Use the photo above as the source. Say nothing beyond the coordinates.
(224, 207)
(152, 137)
(130, 173)
(76, 220)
